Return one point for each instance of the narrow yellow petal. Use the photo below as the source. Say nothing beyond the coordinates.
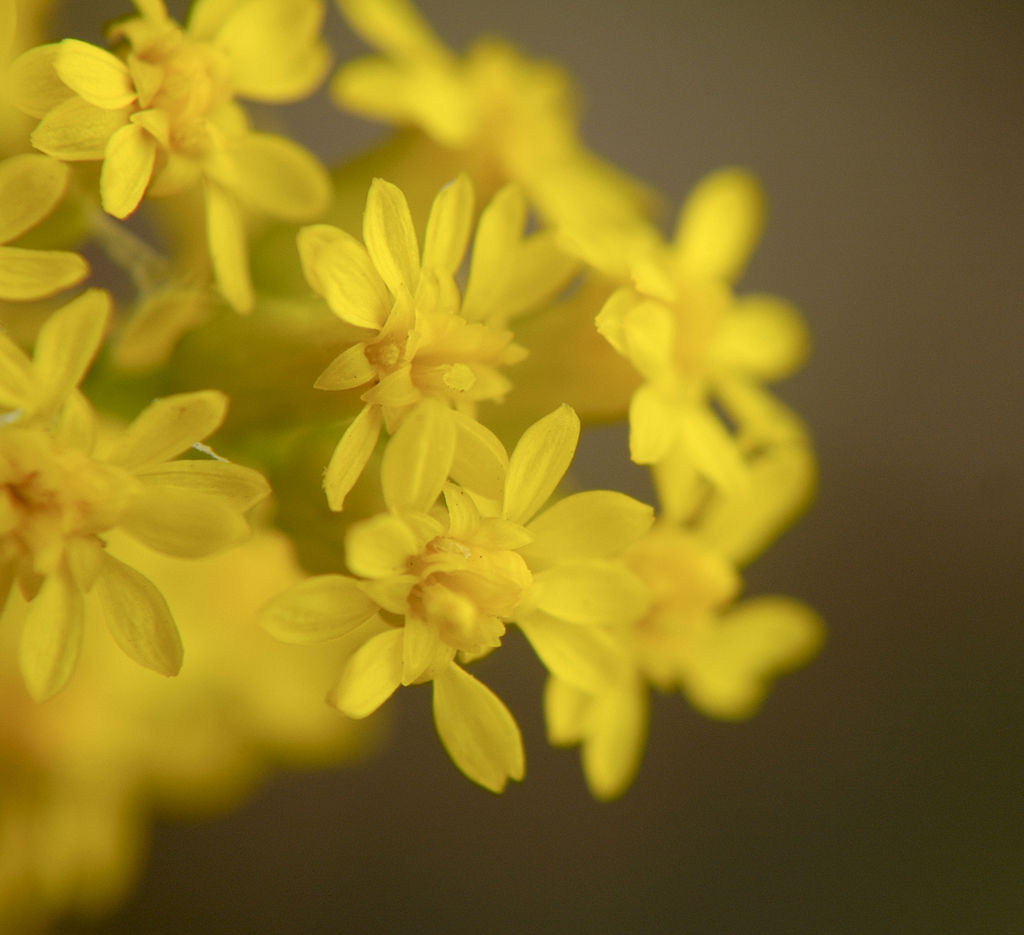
(595, 593)
(51, 637)
(480, 462)
(390, 237)
(763, 336)
(371, 676)
(338, 267)
(182, 522)
(35, 87)
(167, 427)
(320, 608)
(449, 224)
(615, 746)
(17, 381)
(76, 130)
(653, 426)
(349, 369)
(237, 487)
(30, 187)
(94, 74)
(68, 342)
(394, 26)
(420, 648)
(127, 168)
(712, 449)
(350, 456)
(228, 245)
(565, 712)
(275, 49)
(138, 617)
(477, 730)
(719, 225)
(273, 175)
(539, 462)
(497, 236)
(418, 458)
(591, 524)
(37, 274)
(589, 658)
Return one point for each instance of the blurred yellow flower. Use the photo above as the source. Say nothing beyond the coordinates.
(63, 488)
(165, 118)
(511, 119)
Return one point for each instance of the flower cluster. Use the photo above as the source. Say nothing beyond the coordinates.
(429, 329)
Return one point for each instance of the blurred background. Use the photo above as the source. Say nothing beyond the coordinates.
(880, 790)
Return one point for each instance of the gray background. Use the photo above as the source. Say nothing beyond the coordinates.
(880, 789)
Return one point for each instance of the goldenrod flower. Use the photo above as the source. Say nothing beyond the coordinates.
(509, 118)
(424, 341)
(31, 186)
(436, 585)
(165, 118)
(63, 488)
(693, 637)
(682, 328)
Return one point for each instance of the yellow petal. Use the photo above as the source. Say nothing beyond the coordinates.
(497, 236)
(752, 644)
(350, 456)
(349, 369)
(763, 336)
(371, 676)
(17, 381)
(394, 26)
(320, 608)
(51, 637)
(589, 658)
(35, 87)
(138, 617)
(653, 426)
(94, 74)
(417, 459)
(477, 730)
(421, 648)
(229, 249)
(182, 522)
(565, 712)
(30, 187)
(76, 130)
(539, 462)
(712, 449)
(480, 462)
(275, 49)
(615, 746)
(596, 593)
(719, 225)
(338, 267)
(540, 270)
(68, 342)
(592, 524)
(127, 168)
(36, 274)
(237, 487)
(390, 237)
(380, 547)
(273, 175)
(449, 224)
(167, 427)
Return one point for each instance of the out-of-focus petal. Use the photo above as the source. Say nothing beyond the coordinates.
(51, 637)
(614, 748)
(68, 342)
(320, 608)
(601, 593)
(30, 187)
(36, 274)
(228, 245)
(589, 658)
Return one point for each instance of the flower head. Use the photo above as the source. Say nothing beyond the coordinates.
(64, 486)
(510, 118)
(423, 340)
(164, 118)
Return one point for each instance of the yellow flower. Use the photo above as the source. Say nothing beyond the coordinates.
(685, 332)
(165, 118)
(693, 637)
(509, 118)
(424, 341)
(31, 186)
(436, 585)
(62, 489)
